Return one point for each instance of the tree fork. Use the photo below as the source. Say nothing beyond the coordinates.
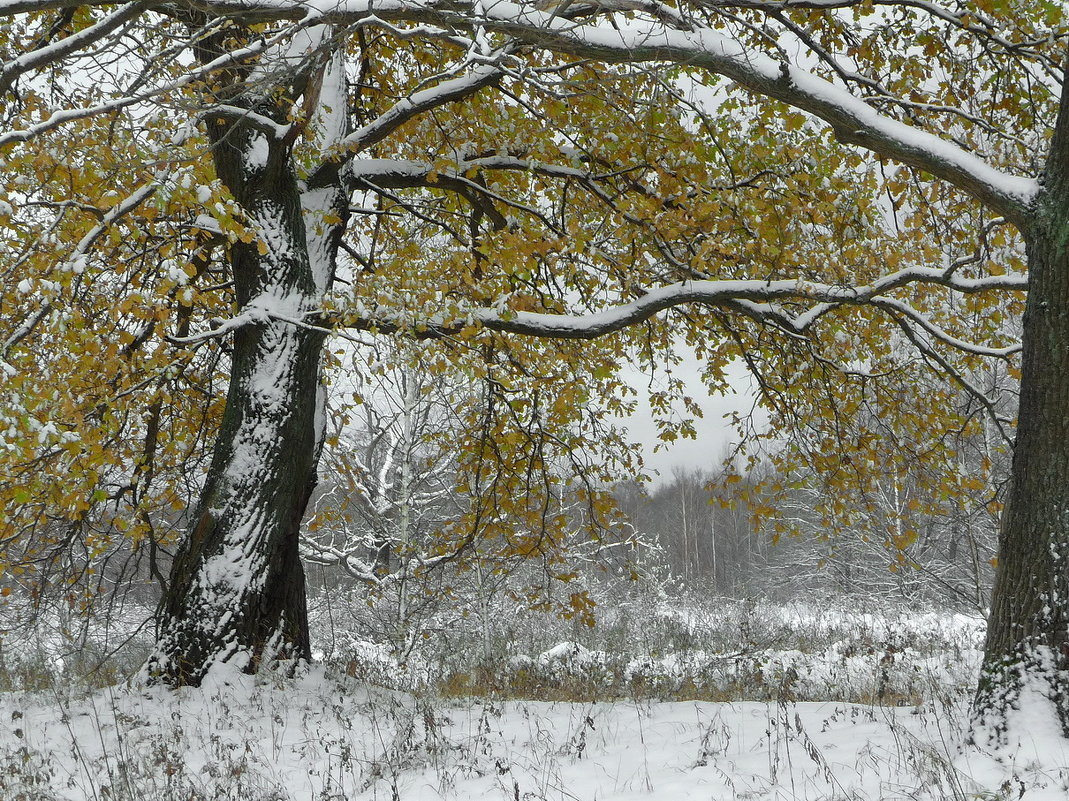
(237, 590)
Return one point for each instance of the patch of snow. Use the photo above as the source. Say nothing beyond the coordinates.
(257, 152)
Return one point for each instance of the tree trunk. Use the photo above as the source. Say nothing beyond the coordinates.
(1027, 648)
(236, 593)
(237, 590)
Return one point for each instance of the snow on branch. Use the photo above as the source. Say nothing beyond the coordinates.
(622, 40)
(936, 332)
(923, 344)
(365, 572)
(759, 300)
(382, 174)
(618, 39)
(259, 122)
(52, 53)
(419, 102)
(441, 94)
(853, 120)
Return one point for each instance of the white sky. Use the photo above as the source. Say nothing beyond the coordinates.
(715, 433)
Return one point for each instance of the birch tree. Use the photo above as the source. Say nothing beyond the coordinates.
(775, 181)
(389, 476)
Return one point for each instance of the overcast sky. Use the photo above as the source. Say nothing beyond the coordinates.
(715, 434)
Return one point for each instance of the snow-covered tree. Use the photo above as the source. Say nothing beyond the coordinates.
(388, 474)
(788, 177)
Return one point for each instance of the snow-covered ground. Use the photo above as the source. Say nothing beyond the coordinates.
(330, 737)
(775, 719)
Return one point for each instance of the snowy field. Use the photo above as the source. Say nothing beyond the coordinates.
(333, 738)
(327, 735)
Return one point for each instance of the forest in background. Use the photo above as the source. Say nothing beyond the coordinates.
(732, 537)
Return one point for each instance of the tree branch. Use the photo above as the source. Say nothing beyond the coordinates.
(753, 298)
(404, 110)
(52, 53)
(637, 41)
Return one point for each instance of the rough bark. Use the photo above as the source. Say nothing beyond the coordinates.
(1027, 648)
